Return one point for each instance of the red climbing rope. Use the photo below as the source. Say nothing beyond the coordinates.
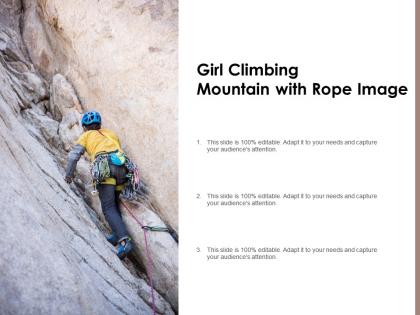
(149, 257)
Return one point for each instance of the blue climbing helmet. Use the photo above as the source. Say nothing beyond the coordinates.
(90, 118)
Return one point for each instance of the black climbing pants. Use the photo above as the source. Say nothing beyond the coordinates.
(110, 207)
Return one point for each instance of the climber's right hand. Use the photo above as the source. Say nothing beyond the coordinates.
(68, 179)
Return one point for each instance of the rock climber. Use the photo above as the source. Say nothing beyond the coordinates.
(104, 149)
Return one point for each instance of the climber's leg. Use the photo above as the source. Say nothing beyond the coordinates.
(125, 245)
(110, 209)
(120, 175)
(117, 198)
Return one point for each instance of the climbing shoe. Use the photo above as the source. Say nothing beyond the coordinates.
(123, 250)
(112, 239)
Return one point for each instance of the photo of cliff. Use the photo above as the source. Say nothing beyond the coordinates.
(59, 59)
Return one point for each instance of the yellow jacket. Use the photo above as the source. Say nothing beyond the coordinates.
(97, 141)
(100, 141)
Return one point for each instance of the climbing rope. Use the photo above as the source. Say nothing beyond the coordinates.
(149, 257)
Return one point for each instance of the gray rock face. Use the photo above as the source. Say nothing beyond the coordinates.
(63, 98)
(162, 248)
(54, 258)
(65, 107)
(9, 9)
(122, 58)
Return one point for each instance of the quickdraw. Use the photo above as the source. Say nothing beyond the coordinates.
(100, 168)
(161, 229)
(155, 228)
(134, 184)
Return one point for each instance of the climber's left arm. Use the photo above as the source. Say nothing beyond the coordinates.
(72, 159)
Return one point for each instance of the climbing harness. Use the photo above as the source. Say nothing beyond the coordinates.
(149, 257)
(101, 170)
